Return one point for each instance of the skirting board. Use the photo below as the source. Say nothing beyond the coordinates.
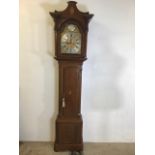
(46, 148)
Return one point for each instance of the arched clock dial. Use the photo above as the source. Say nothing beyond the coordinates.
(71, 40)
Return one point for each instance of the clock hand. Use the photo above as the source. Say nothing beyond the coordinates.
(68, 40)
(71, 38)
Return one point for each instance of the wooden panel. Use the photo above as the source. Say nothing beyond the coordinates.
(69, 133)
(70, 90)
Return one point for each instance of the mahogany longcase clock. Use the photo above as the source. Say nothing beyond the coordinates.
(71, 28)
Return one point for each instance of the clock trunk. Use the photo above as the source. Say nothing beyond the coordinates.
(69, 121)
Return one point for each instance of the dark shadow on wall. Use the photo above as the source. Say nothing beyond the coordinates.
(104, 69)
(102, 94)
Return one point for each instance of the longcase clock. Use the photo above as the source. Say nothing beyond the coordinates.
(71, 28)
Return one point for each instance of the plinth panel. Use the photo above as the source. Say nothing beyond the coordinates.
(68, 135)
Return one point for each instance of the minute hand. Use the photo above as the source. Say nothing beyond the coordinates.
(71, 38)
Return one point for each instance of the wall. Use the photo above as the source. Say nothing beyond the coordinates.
(108, 74)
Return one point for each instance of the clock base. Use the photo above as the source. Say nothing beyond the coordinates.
(69, 134)
(68, 147)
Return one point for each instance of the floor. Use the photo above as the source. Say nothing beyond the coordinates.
(46, 148)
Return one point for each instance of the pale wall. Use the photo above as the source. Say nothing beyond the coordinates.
(108, 74)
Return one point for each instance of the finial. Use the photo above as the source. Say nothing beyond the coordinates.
(72, 2)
